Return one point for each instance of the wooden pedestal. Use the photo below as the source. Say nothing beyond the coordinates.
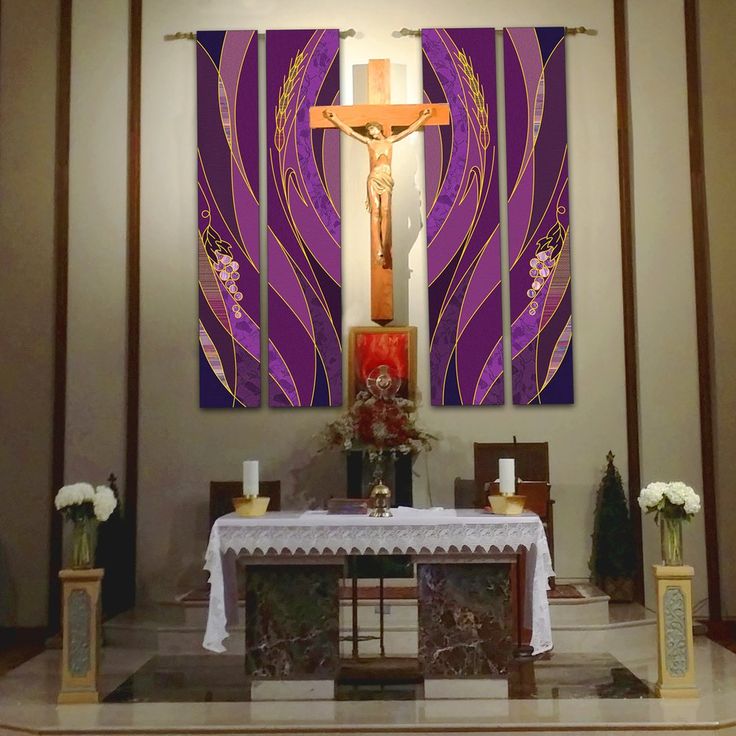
(675, 632)
(80, 655)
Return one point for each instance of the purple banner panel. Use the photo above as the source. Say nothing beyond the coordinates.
(463, 237)
(227, 150)
(538, 217)
(304, 264)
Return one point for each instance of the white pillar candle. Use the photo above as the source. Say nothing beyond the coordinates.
(250, 478)
(507, 476)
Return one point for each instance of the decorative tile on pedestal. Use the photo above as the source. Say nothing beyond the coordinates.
(80, 656)
(675, 631)
(292, 621)
(466, 627)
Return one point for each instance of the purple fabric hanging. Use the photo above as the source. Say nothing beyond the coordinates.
(304, 256)
(538, 216)
(463, 237)
(227, 150)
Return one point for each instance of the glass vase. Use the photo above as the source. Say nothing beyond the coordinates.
(670, 531)
(83, 546)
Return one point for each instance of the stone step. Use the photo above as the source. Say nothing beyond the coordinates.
(178, 625)
(590, 608)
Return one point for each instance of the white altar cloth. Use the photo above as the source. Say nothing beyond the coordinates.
(435, 531)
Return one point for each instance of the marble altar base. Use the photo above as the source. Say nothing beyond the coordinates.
(292, 622)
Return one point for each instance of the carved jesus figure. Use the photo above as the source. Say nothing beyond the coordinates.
(380, 182)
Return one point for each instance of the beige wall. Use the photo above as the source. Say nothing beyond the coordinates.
(28, 47)
(183, 447)
(98, 158)
(718, 60)
(667, 341)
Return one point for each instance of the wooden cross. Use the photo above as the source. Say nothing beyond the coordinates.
(351, 119)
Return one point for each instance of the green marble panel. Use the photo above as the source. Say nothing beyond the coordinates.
(292, 621)
(466, 626)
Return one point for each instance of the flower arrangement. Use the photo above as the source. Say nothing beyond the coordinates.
(378, 426)
(671, 504)
(84, 506)
(670, 500)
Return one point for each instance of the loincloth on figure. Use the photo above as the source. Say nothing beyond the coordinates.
(379, 182)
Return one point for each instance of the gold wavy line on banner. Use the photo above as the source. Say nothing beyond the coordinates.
(281, 190)
(234, 113)
(212, 199)
(530, 235)
(325, 188)
(233, 159)
(210, 351)
(465, 158)
(537, 395)
(235, 399)
(472, 267)
(235, 364)
(291, 375)
(295, 267)
(527, 148)
(441, 180)
(218, 288)
(301, 243)
(470, 230)
(459, 335)
(311, 201)
(232, 336)
(309, 329)
(548, 378)
(551, 278)
(229, 144)
(496, 379)
(486, 297)
(528, 160)
(238, 160)
(310, 332)
(532, 159)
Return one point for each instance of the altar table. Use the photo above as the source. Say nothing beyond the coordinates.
(294, 537)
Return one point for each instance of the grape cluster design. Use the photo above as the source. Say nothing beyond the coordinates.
(228, 271)
(540, 269)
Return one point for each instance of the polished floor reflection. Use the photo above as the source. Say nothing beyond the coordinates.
(206, 679)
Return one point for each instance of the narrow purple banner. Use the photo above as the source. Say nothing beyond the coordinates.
(538, 218)
(304, 263)
(463, 238)
(227, 150)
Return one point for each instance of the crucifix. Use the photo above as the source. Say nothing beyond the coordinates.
(379, 118)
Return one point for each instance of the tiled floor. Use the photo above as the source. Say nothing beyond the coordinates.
(573, 691)
(206, 679)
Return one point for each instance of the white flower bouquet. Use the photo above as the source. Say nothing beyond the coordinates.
(670, 500)
(80, 501)
(85, 506)
(671, 504)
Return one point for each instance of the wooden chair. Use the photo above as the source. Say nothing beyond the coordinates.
(466, 493)
(532, 466)
(223, 492)
(532, 460)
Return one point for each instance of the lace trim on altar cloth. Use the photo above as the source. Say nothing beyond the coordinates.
(350, 539)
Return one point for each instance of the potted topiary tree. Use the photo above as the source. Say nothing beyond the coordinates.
(613, 557)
